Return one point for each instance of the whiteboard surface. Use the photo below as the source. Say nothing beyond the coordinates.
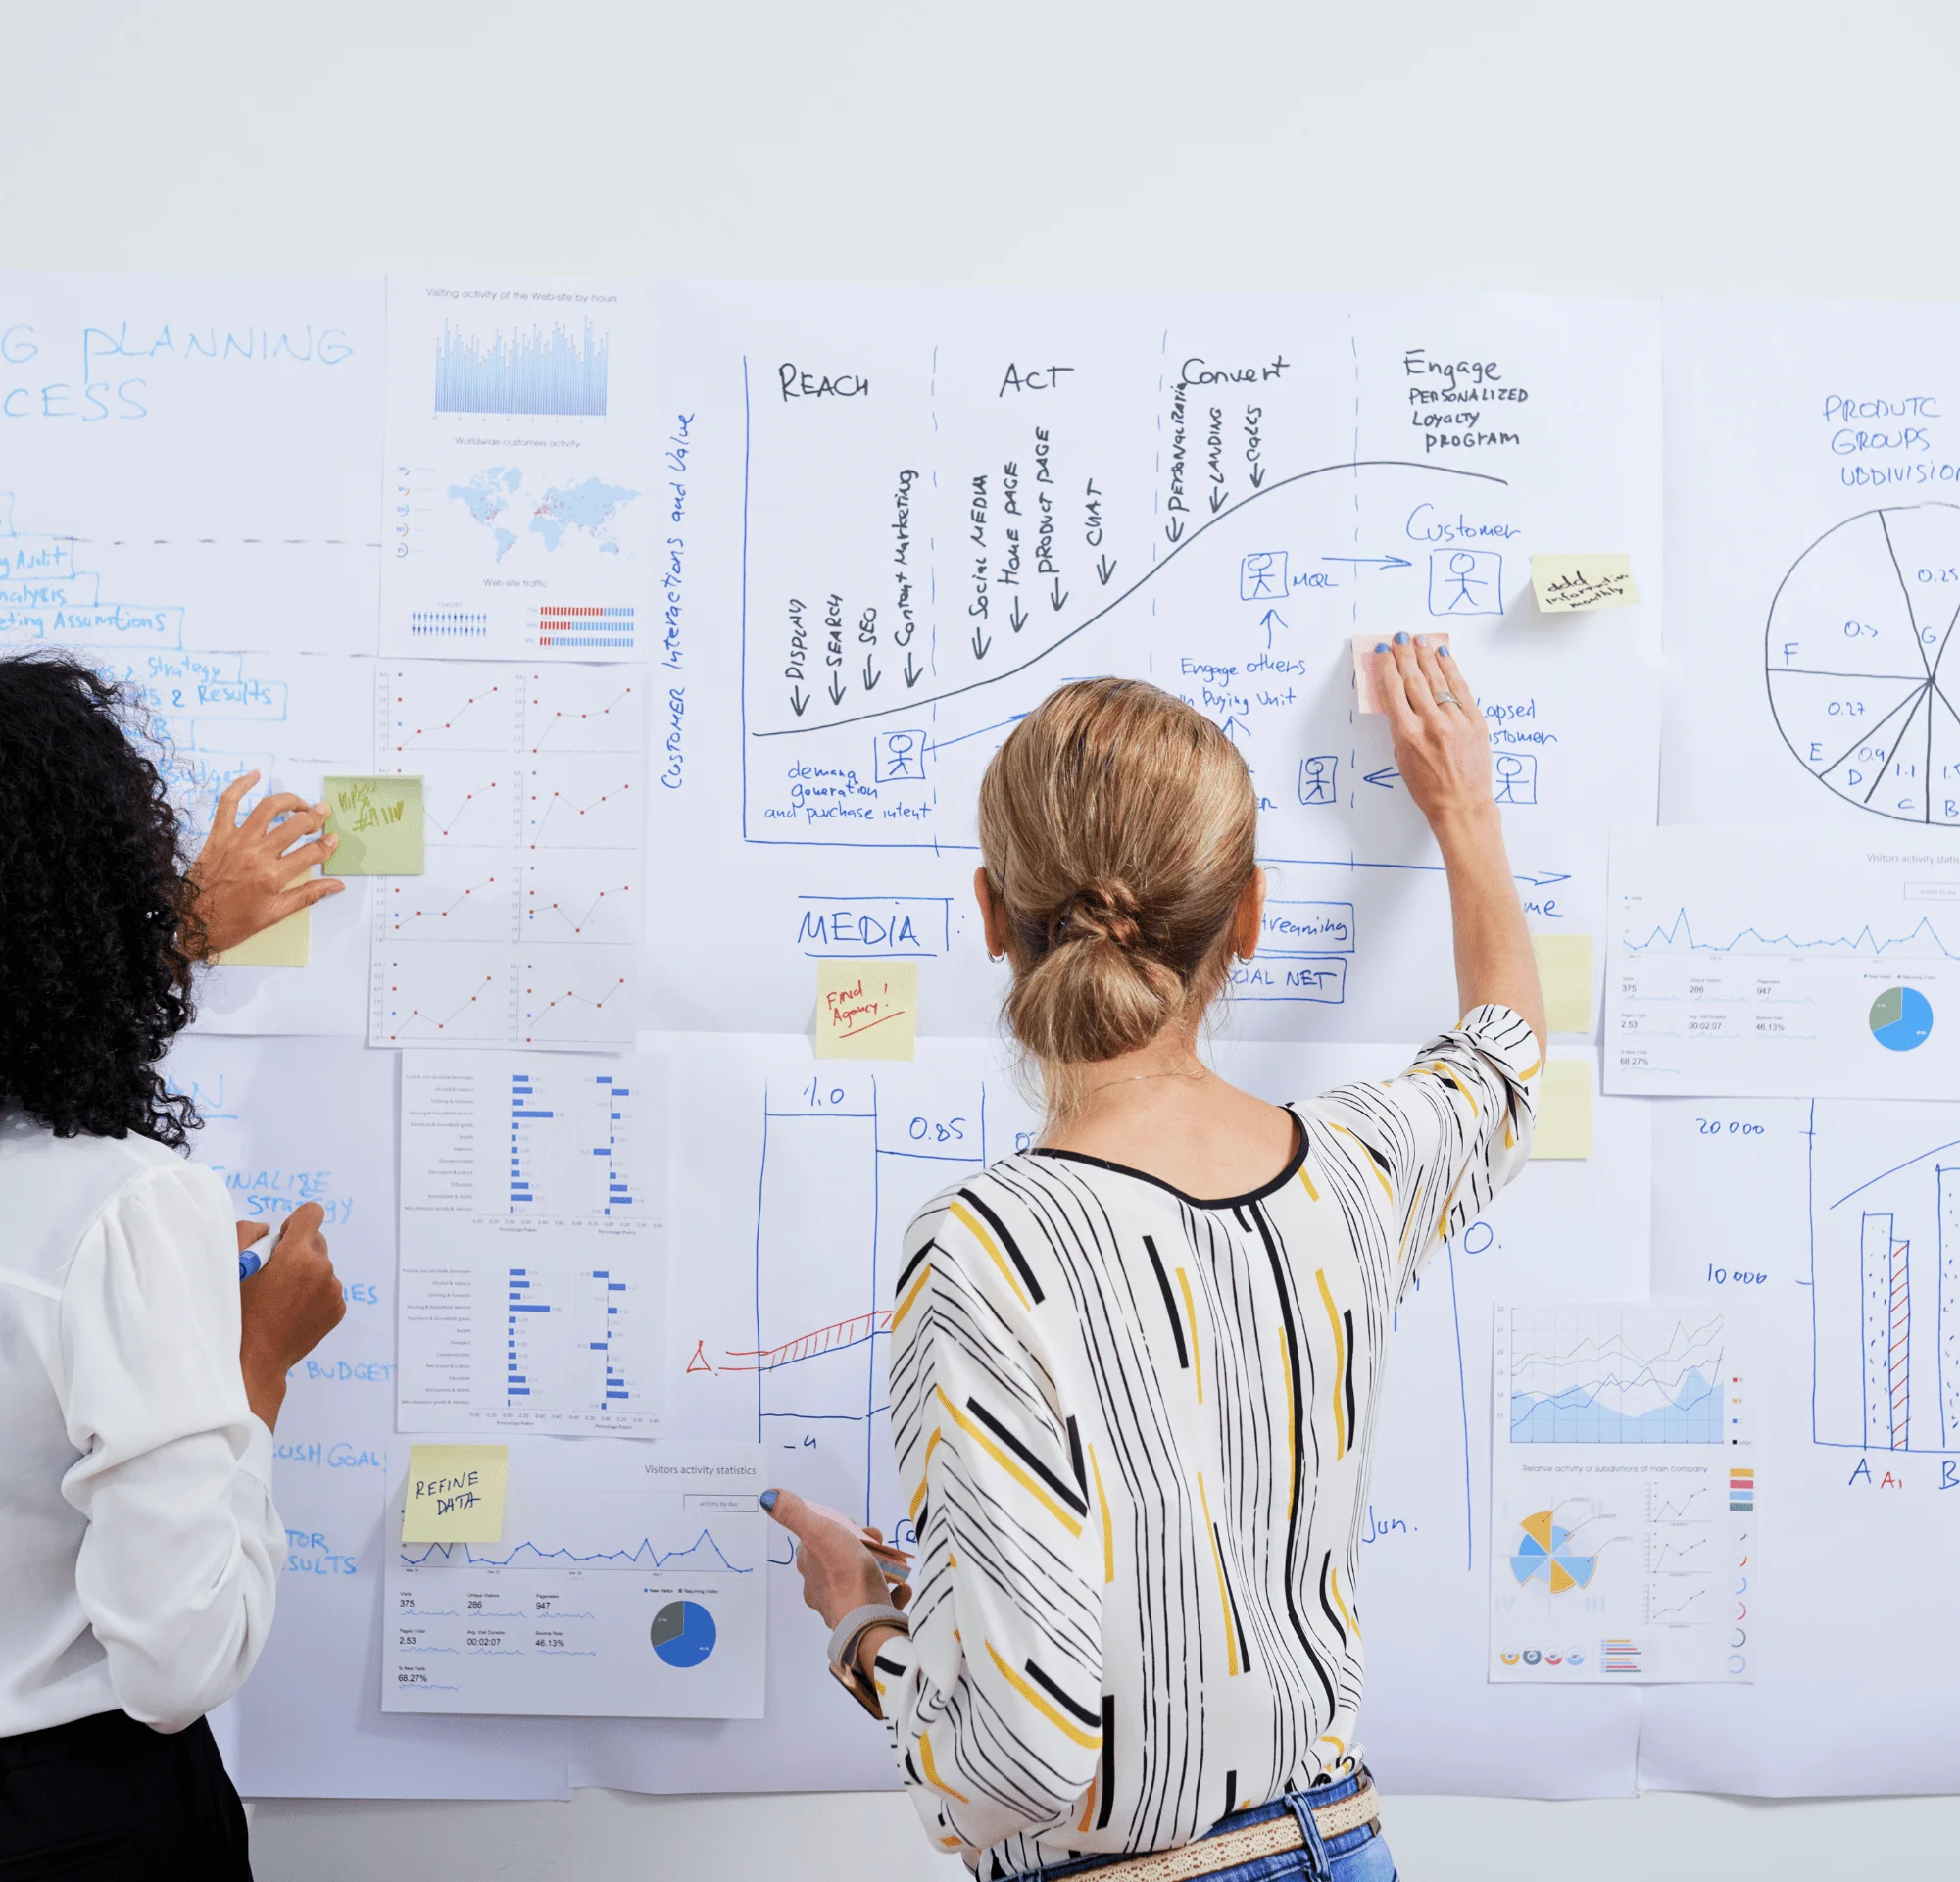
(1666, 148)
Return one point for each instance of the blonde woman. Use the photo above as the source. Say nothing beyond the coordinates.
(1134, 1372)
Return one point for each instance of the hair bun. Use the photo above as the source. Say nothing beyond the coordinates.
(1102, 912)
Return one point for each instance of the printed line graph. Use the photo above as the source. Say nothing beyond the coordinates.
(704, 1556)
(476, 1015)
(568, 817)
(421, 908)
(588, 729)
(1923, 941)
(482, 720)
(472, 814)
(607, 915)
(1614, 1376)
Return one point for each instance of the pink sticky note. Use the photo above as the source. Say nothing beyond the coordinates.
(1366, 700)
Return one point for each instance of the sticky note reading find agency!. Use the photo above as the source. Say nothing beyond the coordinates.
(1570, 584)
(379, 823)
(867, 1008)
(456, 1493)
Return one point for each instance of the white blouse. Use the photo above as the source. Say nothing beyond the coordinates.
(138, 1543)
(1135, 1430)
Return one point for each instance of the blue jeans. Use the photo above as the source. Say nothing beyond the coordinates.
(1359, 1856)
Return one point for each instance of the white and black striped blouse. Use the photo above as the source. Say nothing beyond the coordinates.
(1135, 1432)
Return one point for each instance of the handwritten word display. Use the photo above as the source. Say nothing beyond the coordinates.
(867, 1008)
(1574, 584)
(456, 1493)
(379, 823)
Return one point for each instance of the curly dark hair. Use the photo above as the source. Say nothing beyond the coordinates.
(96, 919)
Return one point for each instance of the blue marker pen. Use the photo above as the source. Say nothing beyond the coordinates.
(250, 1261)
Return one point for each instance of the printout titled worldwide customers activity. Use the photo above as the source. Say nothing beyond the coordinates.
(1762, 962)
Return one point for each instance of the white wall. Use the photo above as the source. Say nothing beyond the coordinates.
(1652, 146)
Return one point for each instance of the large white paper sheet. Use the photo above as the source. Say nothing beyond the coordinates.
(630, 1582)
(1763, 962)
(518, 500)
(533, 1242)
(1813, 474)
(524, 927)
(188, 462)
(314, 1121)
(1825, 1214)
(920, 533)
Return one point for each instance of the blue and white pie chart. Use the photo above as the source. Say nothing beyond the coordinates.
(683, 1633)
(1901, 1018)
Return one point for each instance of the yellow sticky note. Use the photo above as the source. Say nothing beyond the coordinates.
(1570, 584)
(1366, 699)
(456, 1493)
(379, 823)
(1564, 1125)
(867, 1008)
(285, 944)
(1565, 973)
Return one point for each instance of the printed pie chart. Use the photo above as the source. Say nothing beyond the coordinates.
(683, 1633)
(1543, 1553)
(1900, 1018)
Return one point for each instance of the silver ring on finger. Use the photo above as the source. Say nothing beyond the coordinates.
(1445, 699)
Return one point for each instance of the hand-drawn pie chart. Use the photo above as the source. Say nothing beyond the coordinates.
(683, 1633)
(1901, 1018)
(1854, 656)
(1545, 1552)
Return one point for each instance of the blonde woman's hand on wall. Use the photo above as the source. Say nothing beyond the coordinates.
(1441, 743)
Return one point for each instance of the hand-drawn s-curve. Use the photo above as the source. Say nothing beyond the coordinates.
(1230, 510)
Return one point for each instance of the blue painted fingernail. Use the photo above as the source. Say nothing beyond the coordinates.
(1443, 652)
(1381, 646)
(768, 1499)
(1401, 641)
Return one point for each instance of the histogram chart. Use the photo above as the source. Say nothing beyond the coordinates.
(555, 373)
(1757, 962)
(1623, 1495)
(533, 1242)
(519, 489)
(534, 789)
(1884, 1216)
(629, 1582)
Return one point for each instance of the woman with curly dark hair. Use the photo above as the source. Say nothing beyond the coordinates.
(139, 1379)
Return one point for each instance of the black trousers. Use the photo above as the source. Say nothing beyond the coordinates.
(107, 1799)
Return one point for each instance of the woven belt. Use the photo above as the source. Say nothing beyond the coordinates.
(1274, 1837)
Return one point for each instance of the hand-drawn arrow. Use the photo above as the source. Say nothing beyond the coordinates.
(1232, 722)
(914, 675)
(1371, 562)
(871, 679)
(1544, 879)
(1219, 499)
(1104, 568)
(1059, 595)
(1268, 620)
(836, 689)
(1174, 528)
(1259, 476)
(1384, 777)
(1017, 618)
(980, 646)
(798, 701)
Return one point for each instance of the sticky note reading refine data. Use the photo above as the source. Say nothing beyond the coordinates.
(1570, 584)
(867, 1008)
(1565, 973)
(379, 823)
(456, 1493)
(285, 944)
(1366, 699)
(1564, 1123)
